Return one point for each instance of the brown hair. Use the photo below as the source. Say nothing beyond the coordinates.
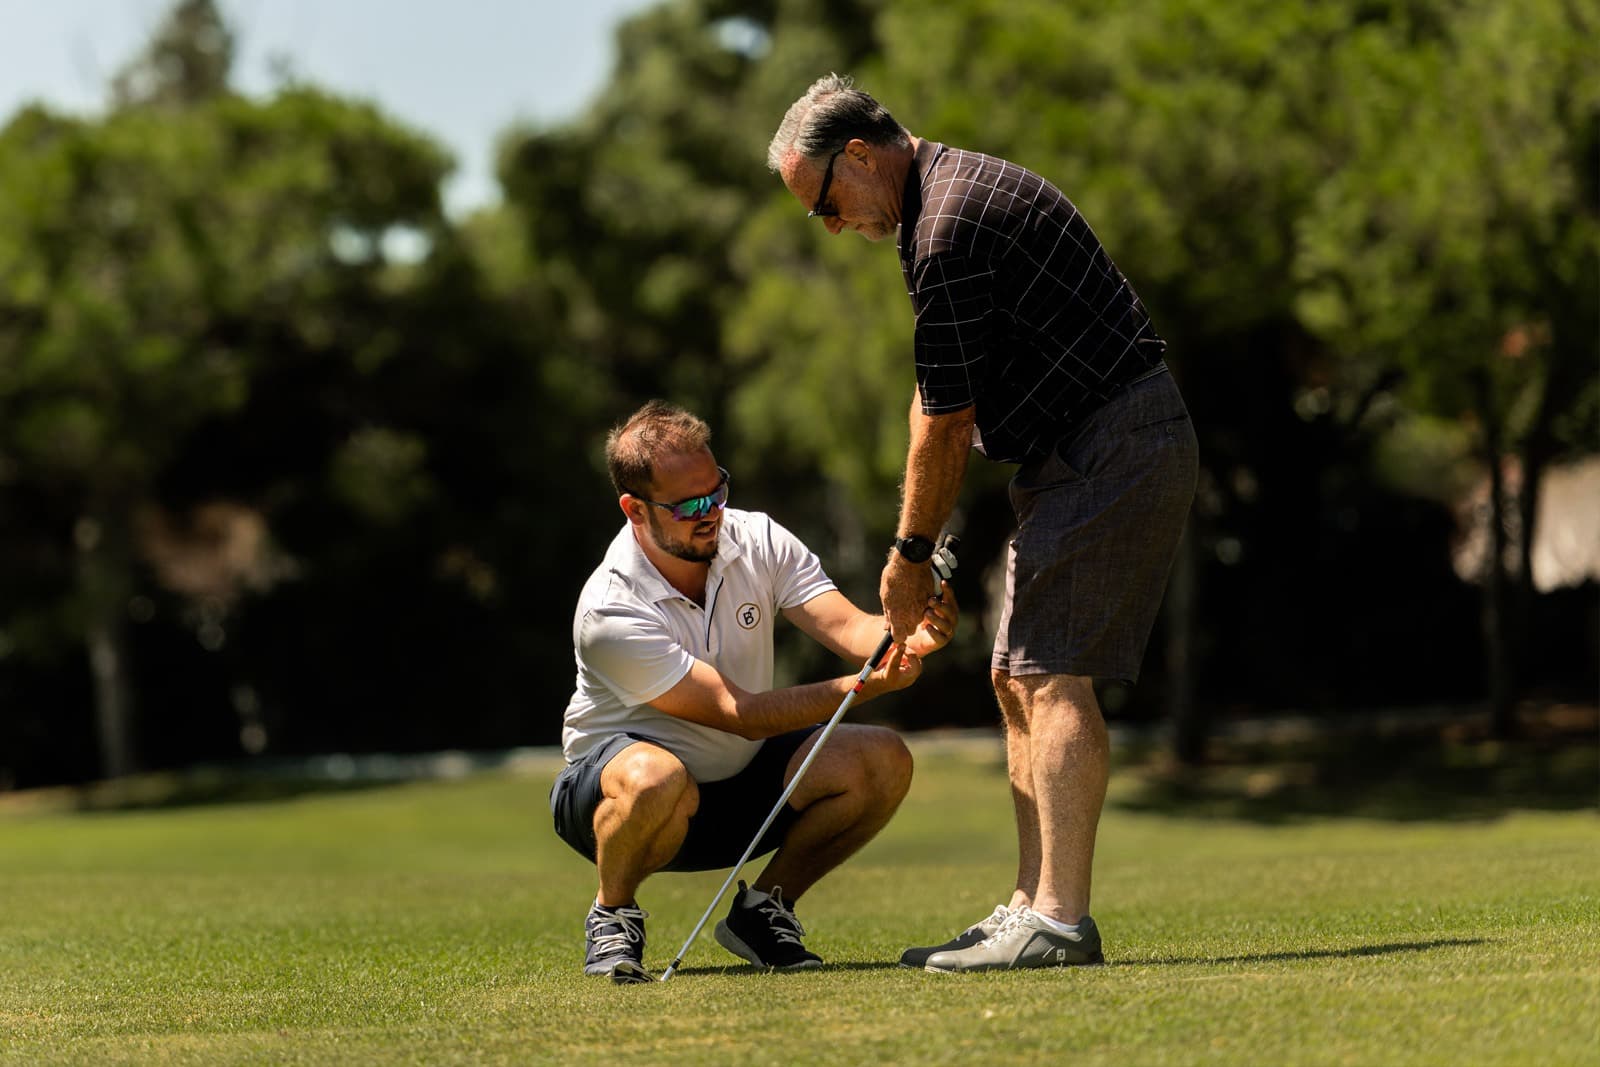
(656, 429)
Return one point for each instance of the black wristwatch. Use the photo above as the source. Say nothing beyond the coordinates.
(914, 549)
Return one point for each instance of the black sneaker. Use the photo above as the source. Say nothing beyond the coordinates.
(614, 939)
(763, 930)
(986, 927)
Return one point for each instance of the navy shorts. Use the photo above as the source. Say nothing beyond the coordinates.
(1098, 523)
(731, 810)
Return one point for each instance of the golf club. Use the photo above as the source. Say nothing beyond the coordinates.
(944, 565)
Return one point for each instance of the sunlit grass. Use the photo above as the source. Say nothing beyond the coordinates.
(441, 923)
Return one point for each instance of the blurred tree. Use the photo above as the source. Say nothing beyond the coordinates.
(152, 262)
(1456, 247)
(1180, 129)
(1198, 139)
(629, 212)
(634, 219)
(187, 61)
(1367, 230)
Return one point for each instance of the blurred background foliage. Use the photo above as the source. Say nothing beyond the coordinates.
(291, 461)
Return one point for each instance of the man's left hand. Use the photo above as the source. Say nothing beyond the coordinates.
(905, 589)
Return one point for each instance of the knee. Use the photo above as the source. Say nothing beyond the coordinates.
(887, 764)
(1012, 696)
(647, 779)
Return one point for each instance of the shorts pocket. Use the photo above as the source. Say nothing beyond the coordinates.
(1031, 479)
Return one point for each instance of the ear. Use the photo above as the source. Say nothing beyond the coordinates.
(861, 154)
(633, 508)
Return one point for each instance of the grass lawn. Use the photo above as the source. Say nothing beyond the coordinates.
(442, 923)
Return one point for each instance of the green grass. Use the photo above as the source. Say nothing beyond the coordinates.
(441, 923)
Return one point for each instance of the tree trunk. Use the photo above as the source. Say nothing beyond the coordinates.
(1566, 367)
(102, 586)
(1496, 632)
(1189, 726)
(1536, 457)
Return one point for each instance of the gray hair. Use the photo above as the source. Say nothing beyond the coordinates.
(829, 116)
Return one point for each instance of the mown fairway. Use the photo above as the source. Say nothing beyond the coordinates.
(441, 923)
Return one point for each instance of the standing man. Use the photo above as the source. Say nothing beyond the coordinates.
(677, 745)
(1033, 348)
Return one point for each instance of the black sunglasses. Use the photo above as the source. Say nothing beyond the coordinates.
(695, 507)
(818, 211)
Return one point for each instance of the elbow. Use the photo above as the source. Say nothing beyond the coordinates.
(952, 425)
(739, 718)
(960, 423)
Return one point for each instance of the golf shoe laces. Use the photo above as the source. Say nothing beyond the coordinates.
(1014, 918)
(629, 929)
(785, 926)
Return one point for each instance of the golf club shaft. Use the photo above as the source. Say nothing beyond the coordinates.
(844, 705)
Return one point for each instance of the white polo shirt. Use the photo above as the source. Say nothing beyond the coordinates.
(635, 636)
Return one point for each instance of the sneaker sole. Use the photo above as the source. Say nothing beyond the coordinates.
(627, 972)
(731, 941)
(1097, 960)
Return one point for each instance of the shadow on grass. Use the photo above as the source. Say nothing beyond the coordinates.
(1315, 954)
(1449, 774)
(1358, 952)
(750, 968)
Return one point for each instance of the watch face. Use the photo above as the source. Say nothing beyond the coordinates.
(915, 549)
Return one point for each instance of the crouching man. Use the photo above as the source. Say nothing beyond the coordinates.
(677, 745)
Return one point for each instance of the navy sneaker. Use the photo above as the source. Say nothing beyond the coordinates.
(614, 939)
(763, 930)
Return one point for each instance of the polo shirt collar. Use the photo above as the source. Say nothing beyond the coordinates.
(911, 198)
(635, 566)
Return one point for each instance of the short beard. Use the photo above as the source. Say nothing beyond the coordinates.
(679, 549)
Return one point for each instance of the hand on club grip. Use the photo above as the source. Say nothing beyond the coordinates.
(904, 590)
(938, 623)
(898, 669)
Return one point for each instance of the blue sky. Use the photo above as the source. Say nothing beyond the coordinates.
(462, 70)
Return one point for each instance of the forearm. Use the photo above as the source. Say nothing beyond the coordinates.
(761, 715)
(708, 697)
(866, 631)
(936, 463)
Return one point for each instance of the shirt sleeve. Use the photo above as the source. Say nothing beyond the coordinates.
(797, 574)
(637, 659)
(953, 300)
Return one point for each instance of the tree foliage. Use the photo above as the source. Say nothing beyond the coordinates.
(1368, 230)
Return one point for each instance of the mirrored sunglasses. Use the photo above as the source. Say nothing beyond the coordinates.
(696, 507)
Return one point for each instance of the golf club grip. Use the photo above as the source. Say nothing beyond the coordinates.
(874, 659)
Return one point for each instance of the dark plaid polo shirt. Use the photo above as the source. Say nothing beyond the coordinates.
(1018, 309)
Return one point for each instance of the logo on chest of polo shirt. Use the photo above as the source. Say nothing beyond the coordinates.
(749, 616)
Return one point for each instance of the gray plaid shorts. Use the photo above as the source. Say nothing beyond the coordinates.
(1098, 522)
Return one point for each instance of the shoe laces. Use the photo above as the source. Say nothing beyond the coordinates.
(628, 928)
(1014, 918)
(780, 918)
(1001, 911)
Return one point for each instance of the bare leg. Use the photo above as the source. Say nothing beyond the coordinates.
(642, 819)
(1070, 756)
(1019, 767)
(848, 794)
